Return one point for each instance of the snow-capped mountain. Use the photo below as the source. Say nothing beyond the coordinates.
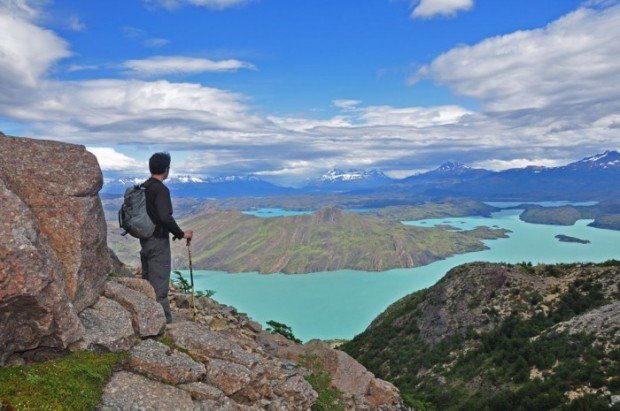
(201, 188)
(338, 180)
(591, 178)
(452, 166)
(449, 171)
(606, 160)
(352, 175)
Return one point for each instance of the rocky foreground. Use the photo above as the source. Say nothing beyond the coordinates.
(62, 290)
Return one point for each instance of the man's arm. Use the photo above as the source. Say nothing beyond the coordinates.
(163, 204)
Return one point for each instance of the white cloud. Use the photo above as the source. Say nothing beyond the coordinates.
(26, 52)
(432, 8)
(572, 61)
(76, 24)
(346, 104)
(211, 4)
(160, 65)
(124, 106)
(22, 9)
(497, 164)
(413, 116)
(112, 160)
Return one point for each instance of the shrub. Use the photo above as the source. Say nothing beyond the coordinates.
(275, 327)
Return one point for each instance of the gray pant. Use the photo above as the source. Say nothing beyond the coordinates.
(155, 258)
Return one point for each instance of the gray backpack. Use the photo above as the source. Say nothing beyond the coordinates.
(132, 217)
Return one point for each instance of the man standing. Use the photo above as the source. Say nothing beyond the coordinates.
(155, 252)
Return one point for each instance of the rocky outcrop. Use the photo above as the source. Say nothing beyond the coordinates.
(237, 353)
(60, 184)
(602, 323)
(54, 259)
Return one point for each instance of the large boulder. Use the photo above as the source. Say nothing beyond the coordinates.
(34, 306)
(59, 183)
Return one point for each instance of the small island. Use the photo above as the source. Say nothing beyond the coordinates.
(569, 239)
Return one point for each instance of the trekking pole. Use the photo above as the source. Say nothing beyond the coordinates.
(191, 276)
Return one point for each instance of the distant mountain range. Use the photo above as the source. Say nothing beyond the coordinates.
(592, 178)
(199, 188)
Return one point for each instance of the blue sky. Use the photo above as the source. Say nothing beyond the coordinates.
(288, 89)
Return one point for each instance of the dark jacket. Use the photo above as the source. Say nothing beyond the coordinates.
(159, 209)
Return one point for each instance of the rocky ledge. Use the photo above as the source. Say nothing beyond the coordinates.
(217, 359)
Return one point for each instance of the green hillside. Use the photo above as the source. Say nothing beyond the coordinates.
(327, 240)
(500, 336)
(605, 214)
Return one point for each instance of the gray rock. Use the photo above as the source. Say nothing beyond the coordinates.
(147, 316)
(202, 391)
(108, 327)
(158, 361)
(614, 399)
(128, 391)
(603, 322)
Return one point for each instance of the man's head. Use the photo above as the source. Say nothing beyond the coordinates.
(159, 165)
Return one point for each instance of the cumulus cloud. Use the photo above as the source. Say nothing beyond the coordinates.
(431, 8)
(571, 62)
(160, 65)
(112, 160)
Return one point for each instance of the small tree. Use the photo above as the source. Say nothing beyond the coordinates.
(282, 329)
(186, 288)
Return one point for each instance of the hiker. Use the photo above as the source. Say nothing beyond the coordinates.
(155, 252)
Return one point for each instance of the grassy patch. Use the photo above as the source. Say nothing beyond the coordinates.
(74, 382)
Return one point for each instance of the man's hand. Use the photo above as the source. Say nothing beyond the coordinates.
(188, 234)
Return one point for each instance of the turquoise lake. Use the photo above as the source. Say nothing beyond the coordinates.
(341, 304)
